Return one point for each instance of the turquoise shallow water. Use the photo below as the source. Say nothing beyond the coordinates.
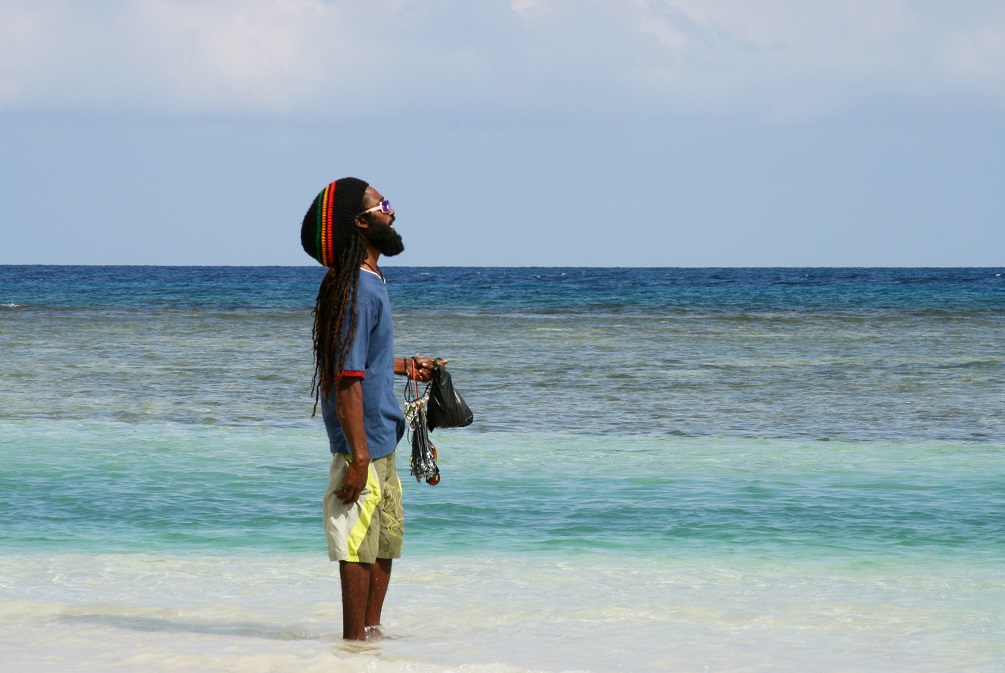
(102, 487)
(193, 548)
(684, 470)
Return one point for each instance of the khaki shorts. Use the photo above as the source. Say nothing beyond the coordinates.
(373, 526)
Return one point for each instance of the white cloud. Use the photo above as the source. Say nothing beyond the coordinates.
(551, 57)
(523, 5)
(976, 56)
(164, 55)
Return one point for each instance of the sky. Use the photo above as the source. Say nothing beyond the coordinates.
(507, 133)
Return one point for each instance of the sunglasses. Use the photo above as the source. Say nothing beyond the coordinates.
(384, 207)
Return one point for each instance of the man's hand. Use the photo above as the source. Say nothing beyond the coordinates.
(349, 406)
(356, 474)
(421, 369)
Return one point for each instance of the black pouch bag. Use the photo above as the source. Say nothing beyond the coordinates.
(446, 408)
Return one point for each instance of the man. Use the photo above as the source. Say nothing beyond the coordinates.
(347, 228)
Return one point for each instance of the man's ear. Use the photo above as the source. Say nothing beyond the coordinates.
(362, 223)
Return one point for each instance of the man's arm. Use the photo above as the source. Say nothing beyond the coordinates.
(349, 407)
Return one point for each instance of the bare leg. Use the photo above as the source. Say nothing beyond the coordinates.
(380, 577)
(355, 582)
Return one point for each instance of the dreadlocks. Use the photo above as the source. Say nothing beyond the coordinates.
(336, 301)
(330, 235)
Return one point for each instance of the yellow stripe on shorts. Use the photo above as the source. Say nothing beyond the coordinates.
(366, 513)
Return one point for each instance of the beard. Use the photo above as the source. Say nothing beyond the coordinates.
(385, 239)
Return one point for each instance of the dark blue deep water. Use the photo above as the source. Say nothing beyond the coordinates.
(779, 353)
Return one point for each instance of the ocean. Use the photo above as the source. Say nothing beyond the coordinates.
(670, 470)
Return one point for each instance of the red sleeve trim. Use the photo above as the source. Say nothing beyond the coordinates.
(353, 374)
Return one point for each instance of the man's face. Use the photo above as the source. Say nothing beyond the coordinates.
(380, 233)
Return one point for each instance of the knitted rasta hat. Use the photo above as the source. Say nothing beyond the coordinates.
(330, 220)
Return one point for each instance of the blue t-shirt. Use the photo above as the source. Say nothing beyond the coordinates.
(372, 356)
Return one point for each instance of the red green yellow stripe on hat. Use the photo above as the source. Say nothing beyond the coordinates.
(324, 243)
(330, 220)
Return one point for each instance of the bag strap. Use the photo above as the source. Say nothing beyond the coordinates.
(415, 381)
